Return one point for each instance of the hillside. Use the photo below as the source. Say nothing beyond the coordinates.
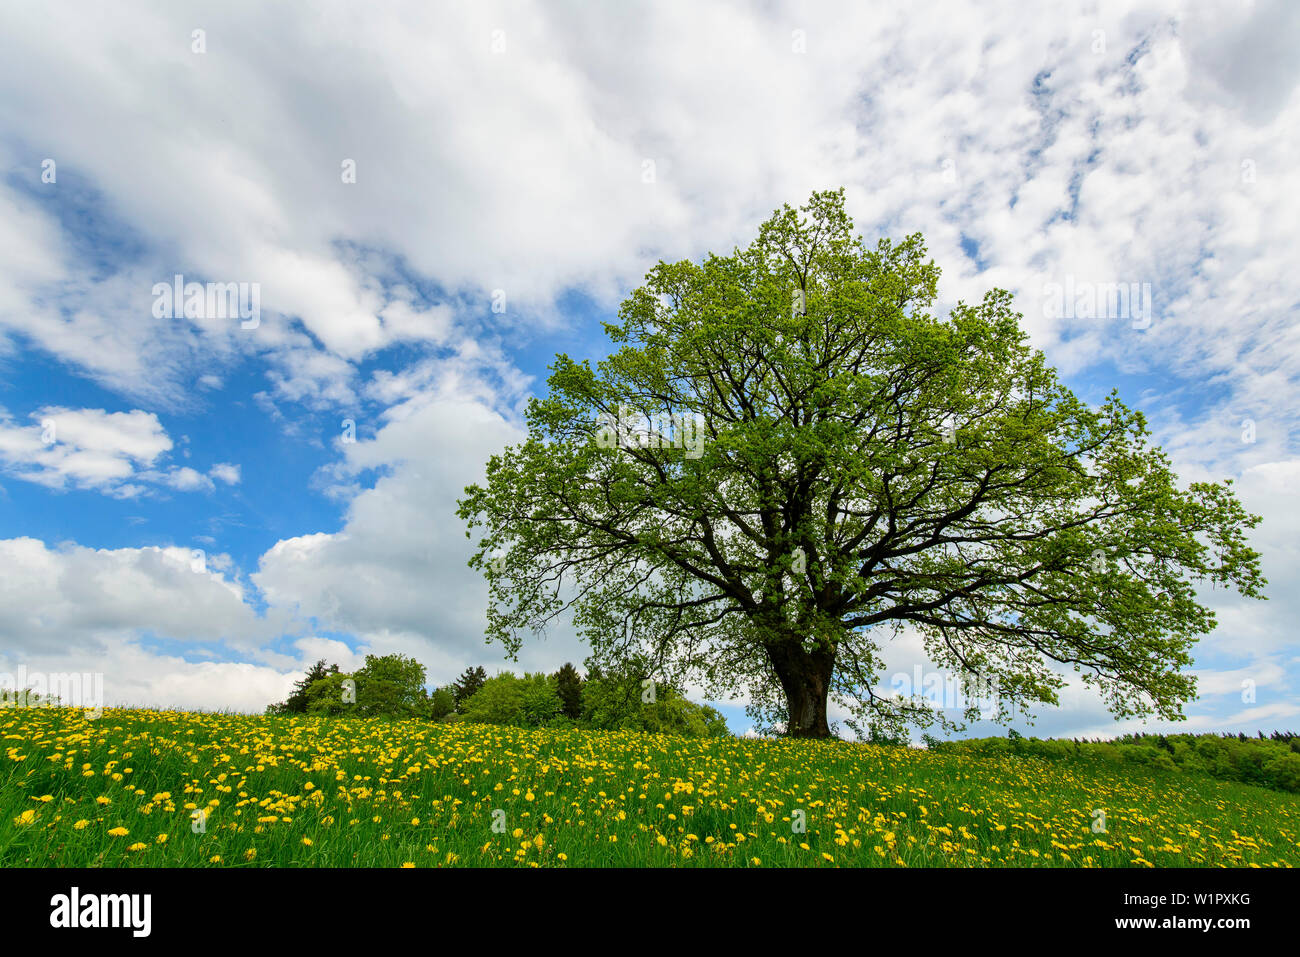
(127, 789)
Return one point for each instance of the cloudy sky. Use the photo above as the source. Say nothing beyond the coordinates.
(430, 200)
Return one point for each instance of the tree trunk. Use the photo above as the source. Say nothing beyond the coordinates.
(806, 679)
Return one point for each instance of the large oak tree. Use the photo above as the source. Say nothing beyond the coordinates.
(787, 459)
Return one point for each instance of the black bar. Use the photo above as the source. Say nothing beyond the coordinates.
(923, 906)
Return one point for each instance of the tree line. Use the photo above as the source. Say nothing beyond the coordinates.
(1271, 761)
(395, 687)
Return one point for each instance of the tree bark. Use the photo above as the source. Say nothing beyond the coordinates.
(806, 679)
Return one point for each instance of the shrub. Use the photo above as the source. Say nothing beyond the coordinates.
(1284, 772)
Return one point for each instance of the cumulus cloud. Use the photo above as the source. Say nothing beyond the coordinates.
(133, 676)
(83, 448)
(109, 452)
(78, 597)
(225, 472)
(396, 573)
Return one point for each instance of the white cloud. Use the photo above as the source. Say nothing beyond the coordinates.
(84, 448)
(133, 676)
(225, 472)
(77, 597)
(183, 479)
(109, 452)
(397, 566)
(315, 648)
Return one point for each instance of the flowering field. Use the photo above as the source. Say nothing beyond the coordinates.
(168, 788)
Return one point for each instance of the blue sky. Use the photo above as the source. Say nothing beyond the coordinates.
(1123, 143)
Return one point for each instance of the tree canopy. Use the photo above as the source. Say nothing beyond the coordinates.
(787, 459)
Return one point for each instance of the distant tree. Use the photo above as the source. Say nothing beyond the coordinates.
(27, 698)
(386, 686)
(468, 684)
(623, 701)
(296, 703)
(442, 703)
(612, 699)
(391, 686)
(568, 684)
(332, 695)
(528, 702)
(1283, 772)
(541, 700)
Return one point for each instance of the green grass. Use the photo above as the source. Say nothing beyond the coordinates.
(374, 793)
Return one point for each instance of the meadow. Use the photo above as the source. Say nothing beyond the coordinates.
(178, 789)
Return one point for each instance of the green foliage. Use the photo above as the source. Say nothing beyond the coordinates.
(887, 737)
(568, 684)
(468, 685)
(613, 701)
(442, 703)
(387, 686)
(1269, 762)
(1284, 771)
(27, 698)
(297, 701)
(391, 686)
(672, 713)
(334, 694)
(622, 701)
(1148, 755)
(607, 702)
(823, 502)
(527, 702)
